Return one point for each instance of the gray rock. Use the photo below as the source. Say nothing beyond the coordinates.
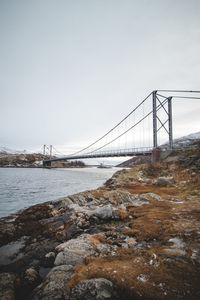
(62, 202)
(63, 269)
(78, 199)
(105, 249)
(164, 181)
(139, 200)
(70, 257)
(7, 286)
(152, 196)
(73, 251)
(118, 197)
(178, 246)
(54, 287)
(11, 252)
(104, 212)
(31, 275)
(97, 288)
(188, 231)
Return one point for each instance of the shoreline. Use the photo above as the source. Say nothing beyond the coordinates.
(136, 236)
(43, 185)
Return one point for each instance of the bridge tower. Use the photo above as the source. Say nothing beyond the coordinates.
(44, 150)
(156, 119)
(47, 149)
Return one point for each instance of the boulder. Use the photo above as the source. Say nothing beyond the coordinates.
(164, 181)
(104, 212)
(54, 287)
(96, 288)
(74, 251)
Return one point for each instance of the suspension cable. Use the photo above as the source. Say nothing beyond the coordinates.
(58, 151)
(180, 97)
(159, 106)
(113, 127)
(178, 91)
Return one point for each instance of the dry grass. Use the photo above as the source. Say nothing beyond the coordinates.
(151, 225)
(133, 276)
(123, 214)
(97, 238)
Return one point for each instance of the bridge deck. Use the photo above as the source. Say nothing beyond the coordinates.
(128, 152)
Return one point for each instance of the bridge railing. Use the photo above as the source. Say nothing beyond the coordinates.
(124, 151)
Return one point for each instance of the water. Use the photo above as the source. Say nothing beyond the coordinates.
(20, 188)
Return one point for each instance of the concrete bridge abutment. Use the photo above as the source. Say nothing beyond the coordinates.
(156, 155)
(46, 164)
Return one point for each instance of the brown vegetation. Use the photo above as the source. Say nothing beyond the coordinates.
(154, 270)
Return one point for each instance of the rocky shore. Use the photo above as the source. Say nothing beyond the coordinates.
(137, 237)
(34, 161)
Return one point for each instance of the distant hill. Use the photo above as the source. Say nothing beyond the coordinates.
(136, 160)
(185, 140)
(6, 150)
(188, 139)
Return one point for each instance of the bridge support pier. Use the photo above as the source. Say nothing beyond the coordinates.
(46, 164)
(156, 153)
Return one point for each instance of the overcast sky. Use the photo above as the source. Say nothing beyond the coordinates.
(70, 70)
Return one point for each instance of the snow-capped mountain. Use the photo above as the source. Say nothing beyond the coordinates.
(6, 150)
(191, 136)
(185, 140)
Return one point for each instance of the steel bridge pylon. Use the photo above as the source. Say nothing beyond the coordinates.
(156, 120)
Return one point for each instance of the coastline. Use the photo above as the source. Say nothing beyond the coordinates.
(135, 237)
(21, 188)
(34, 161)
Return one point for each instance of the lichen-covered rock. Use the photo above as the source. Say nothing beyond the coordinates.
(96, 288)
(7, 286)
(140, 199)
(74, 251)
(104, 212)
(32, 276)
(55, 285)
(164, 181)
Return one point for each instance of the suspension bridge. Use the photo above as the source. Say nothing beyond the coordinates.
(138, 133)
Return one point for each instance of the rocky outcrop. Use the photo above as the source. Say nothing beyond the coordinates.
(54, 285)
(96, 288)
(74, 251)
(130, 239)
(21, 160)
(34, 161)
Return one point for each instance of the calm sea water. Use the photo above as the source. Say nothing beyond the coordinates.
(20, 188)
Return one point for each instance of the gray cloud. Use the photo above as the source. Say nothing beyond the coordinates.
(70, 70)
